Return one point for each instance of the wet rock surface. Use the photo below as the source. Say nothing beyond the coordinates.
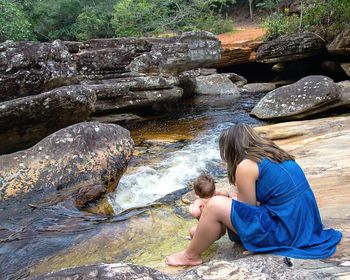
(310, 95)
(340, 44)
(106, 271)
(39, 188)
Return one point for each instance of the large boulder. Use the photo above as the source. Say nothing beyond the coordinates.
(24, 121)
(28, 68)
(108, 58)
(84, 154)
(310, 95)
(128, 93)
(206, 82)
(258, 88)
(189, 51)
(290, 47)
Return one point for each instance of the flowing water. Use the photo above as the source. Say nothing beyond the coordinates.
(166, 166)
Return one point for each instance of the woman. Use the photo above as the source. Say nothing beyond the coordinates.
(287, 222)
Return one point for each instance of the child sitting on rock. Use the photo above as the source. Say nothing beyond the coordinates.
(204, 187)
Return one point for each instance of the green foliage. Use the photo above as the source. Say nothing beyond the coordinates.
(326, 18)
(141, 17)
(54, 19)
(92, 23)
(279, 24)
(13, 23)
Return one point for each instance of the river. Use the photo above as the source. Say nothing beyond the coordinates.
(163, 165)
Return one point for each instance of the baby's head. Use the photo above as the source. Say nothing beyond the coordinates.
(204, 186)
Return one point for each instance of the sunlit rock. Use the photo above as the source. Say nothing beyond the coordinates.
(290, 47)
(106, 271)
(206, 83)
(341, 44)
(74, 157)
(28, 68)
(310, 95)
(24, 121)
(173, 55)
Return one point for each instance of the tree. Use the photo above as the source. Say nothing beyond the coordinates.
(251, 8)
(14, 25)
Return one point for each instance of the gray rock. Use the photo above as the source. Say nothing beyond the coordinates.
(174, 55)
(194, 83)
(258, 87)
(25, 121)
(105, 58)
(116, 97)
(266, 267)
(344, 92)
(236, 79)
(215, 84)
(310, 95)
(106, 271)
(341, 44)
(290, 47)
(28, 68)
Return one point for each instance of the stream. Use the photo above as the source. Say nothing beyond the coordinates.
(170, 152)
(176, 164)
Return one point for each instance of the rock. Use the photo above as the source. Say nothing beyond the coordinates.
(84, 154)
(133, 99)
(88, 194)
(265, 267)
(341, 44)
(111, 57)
(214, 84)
(106, 271)
(106, 58)
(28, 68)
(236, 79)
(174, 55)
(128, 93)
(344, 92)
(346, 68)
(238, 54)
(310, 95)
(258, 88)
(118, 118)
(290, 47)
(25, 121)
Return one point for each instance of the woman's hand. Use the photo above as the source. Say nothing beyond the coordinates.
(221, 193)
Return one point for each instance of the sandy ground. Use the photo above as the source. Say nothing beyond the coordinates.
(242, 33)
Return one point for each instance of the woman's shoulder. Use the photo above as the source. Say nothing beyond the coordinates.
(247, 167)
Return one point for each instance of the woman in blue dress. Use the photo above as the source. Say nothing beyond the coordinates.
(275, 211)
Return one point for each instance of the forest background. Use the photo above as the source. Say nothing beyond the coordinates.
(79, 20)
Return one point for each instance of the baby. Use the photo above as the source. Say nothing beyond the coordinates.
(204, 187)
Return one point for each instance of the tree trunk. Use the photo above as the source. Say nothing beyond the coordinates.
(251, 8)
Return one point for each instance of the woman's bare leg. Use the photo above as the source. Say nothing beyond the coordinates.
(215, 216)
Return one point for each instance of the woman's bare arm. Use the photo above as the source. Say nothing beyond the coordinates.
(247, 173)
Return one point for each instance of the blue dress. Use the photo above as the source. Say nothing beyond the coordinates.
(287, 222)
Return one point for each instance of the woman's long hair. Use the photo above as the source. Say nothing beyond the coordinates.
(242, 142)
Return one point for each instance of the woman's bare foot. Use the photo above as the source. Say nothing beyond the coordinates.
(183, 259)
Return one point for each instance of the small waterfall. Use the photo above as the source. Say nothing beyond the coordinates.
(145, 184)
